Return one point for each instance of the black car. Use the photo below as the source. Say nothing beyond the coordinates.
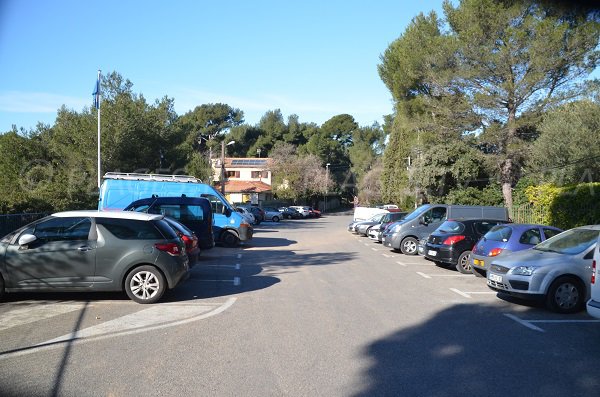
(451, 243)
(290, 213)
(193, 212)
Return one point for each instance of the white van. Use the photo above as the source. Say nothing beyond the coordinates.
(593, 305)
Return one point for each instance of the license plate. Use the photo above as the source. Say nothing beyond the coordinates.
(431, 253)
(478, 262)
(496, 278)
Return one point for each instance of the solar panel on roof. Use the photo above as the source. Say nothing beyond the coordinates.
(255, 162)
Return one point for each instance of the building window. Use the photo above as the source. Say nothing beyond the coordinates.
(260, 174)
(233, 174)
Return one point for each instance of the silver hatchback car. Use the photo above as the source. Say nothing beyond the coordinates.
(557, 270)
(94, 251)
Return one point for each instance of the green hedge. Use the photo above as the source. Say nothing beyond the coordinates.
(569, 206)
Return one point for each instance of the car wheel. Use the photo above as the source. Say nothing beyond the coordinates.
(275, 219)
(145, 284)
(565, 295)
(229, 239)
(409, 246)
(464, 263)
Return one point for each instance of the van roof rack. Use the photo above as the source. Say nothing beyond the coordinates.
(151, 177)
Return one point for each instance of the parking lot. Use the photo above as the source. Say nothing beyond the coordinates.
(306, 308)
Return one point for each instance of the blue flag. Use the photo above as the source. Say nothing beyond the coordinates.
(96, 94)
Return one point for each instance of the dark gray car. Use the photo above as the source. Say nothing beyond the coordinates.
(94, 251)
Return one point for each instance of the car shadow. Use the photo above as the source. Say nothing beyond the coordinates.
(475, 350)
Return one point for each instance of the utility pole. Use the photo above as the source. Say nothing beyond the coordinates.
(223, 165)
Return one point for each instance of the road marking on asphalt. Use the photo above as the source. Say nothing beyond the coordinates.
(375, 249)
(29, 315)
(239, 256)
(401, 263)
(469, 294)
(530, 323)
(444, 275)
(160, 316)
(238, 266)
(387, 256)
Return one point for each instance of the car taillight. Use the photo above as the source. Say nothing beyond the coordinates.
(495, 252)
(189, 243)
(170, 248)
(453, 240)
(594, 271)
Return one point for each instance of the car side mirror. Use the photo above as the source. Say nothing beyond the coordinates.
(26, 239)
(226, 212)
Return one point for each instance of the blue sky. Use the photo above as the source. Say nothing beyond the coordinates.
(315, 59)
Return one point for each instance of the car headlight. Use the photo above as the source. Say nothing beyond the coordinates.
(523, 270)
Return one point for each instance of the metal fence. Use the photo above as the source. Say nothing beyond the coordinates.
(8, 223)
(526, 214)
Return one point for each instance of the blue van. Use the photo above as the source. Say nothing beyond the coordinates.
(193, 212)
(118, 190)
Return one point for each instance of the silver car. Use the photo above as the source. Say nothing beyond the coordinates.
(556, 271)
(94, 251)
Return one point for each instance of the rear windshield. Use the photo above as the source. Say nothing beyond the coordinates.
(129, 229)
(451, 227)
(499, 233)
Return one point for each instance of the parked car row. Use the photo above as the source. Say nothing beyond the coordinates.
(528, 261)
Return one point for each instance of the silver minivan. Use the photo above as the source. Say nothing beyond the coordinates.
(94, 251)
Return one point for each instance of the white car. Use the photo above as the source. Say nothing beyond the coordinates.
(247, 214)
(593, 305)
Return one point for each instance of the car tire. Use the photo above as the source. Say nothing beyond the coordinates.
(409, 246)
(1, 287)
(463, 264)
(229, 239)
(275, 219)
(145, 284)
(566, 295)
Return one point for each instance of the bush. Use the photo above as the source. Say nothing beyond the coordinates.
(569, 206)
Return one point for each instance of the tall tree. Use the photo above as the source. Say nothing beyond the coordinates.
(518, 58)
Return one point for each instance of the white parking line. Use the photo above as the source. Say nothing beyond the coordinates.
(131, 324)
(401, 263)
(239, 256)
(529, 323)
(468, 294)
(444, 275)
(387, 256)
(375, 249)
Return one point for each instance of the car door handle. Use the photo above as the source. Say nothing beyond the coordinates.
(84, 248)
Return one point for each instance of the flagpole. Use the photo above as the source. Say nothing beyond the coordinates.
(98, 105)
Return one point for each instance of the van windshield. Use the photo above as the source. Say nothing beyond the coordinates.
(417, 213)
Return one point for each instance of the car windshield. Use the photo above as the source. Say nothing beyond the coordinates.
(451, 227)
(417, 213)
(499, 233)
(377, 218)
(571, 242)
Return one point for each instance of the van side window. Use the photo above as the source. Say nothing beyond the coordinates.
(436, 214)
(191, 213)
(215, 203)
(170, 210)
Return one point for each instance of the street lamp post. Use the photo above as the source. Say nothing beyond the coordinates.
(223, 165)
(326, 184)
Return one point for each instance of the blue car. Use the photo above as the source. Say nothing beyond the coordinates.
(507, 238)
